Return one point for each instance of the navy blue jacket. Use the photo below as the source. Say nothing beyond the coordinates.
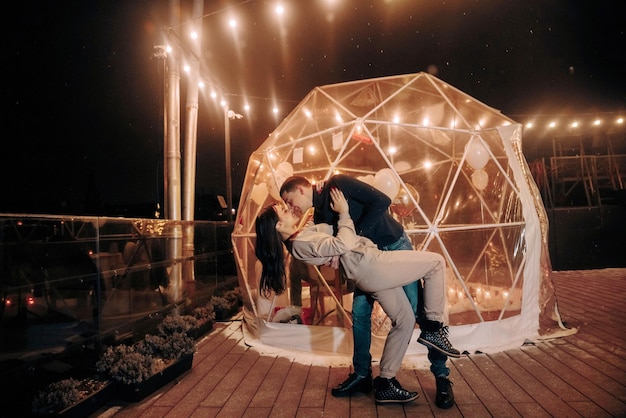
(368, 209)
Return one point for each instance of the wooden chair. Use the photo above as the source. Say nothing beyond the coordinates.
(322, 281)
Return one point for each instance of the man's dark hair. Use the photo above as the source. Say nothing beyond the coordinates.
(292, 182)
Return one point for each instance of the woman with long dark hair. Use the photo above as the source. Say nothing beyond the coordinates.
(364, 264)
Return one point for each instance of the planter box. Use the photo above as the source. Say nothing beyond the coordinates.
(202, 330)
(137, 391)
(87, 406)
(222, 314)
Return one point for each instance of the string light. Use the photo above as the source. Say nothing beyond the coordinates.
(577, 120)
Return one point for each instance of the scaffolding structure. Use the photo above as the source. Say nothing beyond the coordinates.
(583, 171)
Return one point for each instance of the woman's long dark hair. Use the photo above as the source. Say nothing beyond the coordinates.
(269, 250)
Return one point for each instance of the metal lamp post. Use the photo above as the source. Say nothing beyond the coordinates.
(228, 115)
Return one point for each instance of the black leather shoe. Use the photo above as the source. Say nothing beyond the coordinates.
(353, 384)
(445, 397)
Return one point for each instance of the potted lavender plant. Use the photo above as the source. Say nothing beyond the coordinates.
(147, 365)
(73, 397)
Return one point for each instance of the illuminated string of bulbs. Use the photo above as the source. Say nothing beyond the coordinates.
(551, 121)
(574, 121)
(529, 124)
(216, 91)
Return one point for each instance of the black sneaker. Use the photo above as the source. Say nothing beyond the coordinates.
(390, 391)
(445, 397)
(439, 341)
(353, 384)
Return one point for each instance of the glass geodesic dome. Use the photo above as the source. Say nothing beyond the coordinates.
(459, 184)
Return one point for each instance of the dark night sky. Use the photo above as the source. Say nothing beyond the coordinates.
(82, 97)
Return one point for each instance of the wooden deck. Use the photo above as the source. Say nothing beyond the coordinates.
(580, 375)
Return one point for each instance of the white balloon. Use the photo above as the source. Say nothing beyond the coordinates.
(286, 168)
(369, 179)
(401, 166)
(480, 178)
(476, 154)
(259, 193)
(386, 182)
(274, 181)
